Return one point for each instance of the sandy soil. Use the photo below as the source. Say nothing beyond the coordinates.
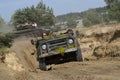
(107, 68)
(104, 69)
(91, 70)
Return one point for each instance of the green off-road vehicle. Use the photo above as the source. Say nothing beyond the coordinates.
(57, 48)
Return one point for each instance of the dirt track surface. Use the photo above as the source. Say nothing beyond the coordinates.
(97, 70)
(87, 70)
(92, 70)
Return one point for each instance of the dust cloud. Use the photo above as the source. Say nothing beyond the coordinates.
(6, 28)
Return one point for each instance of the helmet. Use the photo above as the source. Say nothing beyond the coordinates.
(43, 34)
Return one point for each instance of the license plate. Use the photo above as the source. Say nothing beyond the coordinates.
(70, 50)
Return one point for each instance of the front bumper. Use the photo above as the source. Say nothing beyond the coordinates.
(56, 53)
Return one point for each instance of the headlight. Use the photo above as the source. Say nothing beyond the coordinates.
(70, 41)
(44, 46)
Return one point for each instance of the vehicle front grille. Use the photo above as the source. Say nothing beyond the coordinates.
(54, 44)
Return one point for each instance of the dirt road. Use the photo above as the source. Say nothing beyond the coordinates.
(93, 70)
(105, 69)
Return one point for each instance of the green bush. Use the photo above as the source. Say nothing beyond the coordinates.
(92, 18)
(6, 40)
(87, 23)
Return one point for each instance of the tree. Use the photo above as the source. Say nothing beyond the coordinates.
(87, 22)
(41, 14)
(113, 8)
(71, 23)
(2, 21)
(92, 17)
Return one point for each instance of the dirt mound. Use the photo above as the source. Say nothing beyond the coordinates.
(18, 61)
(91, 42)
(23, 49)
(13, 62)
(111, 47)
(109, 50)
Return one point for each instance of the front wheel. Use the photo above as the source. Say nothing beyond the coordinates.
(42, 64)
(79, 55)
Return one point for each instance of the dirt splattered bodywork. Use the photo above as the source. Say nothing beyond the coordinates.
(55, 49)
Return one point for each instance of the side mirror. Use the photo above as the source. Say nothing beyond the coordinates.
(32, 42)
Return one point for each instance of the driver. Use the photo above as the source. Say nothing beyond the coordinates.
(70, 31)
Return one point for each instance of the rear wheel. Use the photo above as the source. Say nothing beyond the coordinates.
(79, 55)
(42, 64)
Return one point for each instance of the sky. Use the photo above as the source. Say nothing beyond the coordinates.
(8, 7)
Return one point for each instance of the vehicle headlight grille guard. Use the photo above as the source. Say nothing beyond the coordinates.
(54, 44)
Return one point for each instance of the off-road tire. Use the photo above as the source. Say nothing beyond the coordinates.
(78, 52)
(42, 64)
(79, 55)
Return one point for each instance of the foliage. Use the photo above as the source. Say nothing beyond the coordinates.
(2, 21)
(6, 40)
(92, 17)
(113, 8)
(71, 23)
(69, 16)
(89, 17)
(86, 22)
(78, 15)
(40, 14)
